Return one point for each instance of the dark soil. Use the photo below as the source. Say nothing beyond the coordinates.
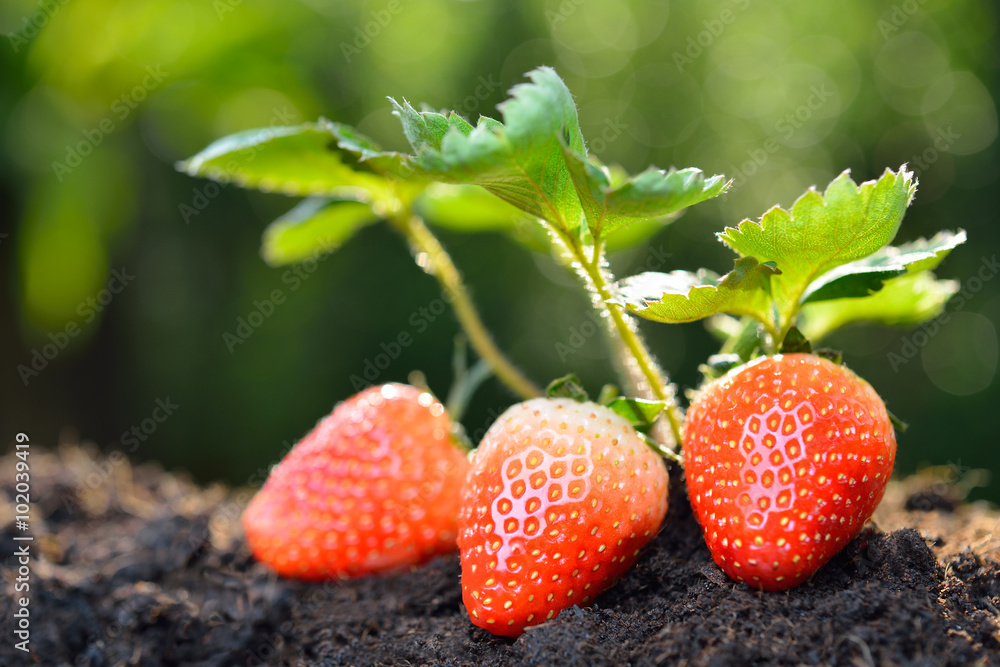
(135, 566)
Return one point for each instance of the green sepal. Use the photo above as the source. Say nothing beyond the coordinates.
(718, 365)
(898, 423)
(795, 342)
(835, 356)
(641, 413)
(567, 386)
(609, 392)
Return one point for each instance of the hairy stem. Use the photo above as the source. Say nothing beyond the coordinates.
(434, 259)
(640, 369)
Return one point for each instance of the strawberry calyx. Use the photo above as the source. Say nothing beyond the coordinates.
(641, 413)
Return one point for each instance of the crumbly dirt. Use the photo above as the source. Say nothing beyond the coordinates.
(135, 566)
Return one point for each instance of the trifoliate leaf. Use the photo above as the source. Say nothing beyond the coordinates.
(316, 226)
(821, 232)
(654, 193)
(681, 296)
(865, 276)
(904, 301)
(519, 160)
(301, 160)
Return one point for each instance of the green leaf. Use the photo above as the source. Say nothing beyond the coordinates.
(640, 412)
(467, 208)
(904, 301)
(317, 225)
(302, 160)
(370, 155)
(821, 232)
(681, 296)
(865, 276)
(655, 193)
(519, 161)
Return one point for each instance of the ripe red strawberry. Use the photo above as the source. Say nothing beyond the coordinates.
(786, 458)
(374, 486)
(560, 498)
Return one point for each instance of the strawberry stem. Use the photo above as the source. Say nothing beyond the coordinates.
(641, 372)
(434, 259)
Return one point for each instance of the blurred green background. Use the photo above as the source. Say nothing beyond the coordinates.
(99, 98)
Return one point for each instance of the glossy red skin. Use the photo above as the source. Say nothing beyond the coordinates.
(374, 486)
(786, 458)
(548, 466)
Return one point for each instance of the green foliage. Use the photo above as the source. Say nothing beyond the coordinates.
(865, 276)
(303, 160)
(317, 224)
(520, 161)
(904, 301)
(536, 160)
(821, 232)
(682, 296)
(825, 258)
(654, 193)
(467, 208)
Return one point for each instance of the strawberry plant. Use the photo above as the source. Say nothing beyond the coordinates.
(786, 455)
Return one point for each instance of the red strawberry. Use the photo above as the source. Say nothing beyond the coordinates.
(560, 498)
(374, 486)
(786, 458)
